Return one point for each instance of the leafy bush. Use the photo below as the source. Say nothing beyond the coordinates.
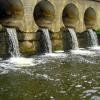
(98, 31)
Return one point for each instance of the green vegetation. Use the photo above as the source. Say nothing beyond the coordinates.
(98, 31)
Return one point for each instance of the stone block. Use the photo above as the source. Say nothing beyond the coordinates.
(57, 45)
(28, 47)
(30, 36)
(56, 35)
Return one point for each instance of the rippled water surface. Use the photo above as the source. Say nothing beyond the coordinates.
(51, 77)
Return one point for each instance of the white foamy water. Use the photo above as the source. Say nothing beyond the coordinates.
(21, 61)
(47, 39)
(0, 58)
(74, 38)
(57, 55)
(95, 98)
(82, 52)
(13, 45)
(18, 63)
(95, 48)
(93, 37)
(59, 51)
(91, 93)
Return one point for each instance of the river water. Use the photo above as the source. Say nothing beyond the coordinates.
(57, 76)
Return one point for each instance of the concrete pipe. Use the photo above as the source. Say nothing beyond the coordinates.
(70, 15)
(44, 13)
(90, 18)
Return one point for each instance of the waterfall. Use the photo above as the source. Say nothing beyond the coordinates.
(94, 40)
(47, 40)
(75, 44)
(13, 45)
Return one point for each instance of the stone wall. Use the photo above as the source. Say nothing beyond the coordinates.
(81, 5)
(27, 27)
(27, 23)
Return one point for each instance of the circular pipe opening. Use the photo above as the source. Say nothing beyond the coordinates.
(90, 18)
(44, 13)
(10, 9)
(70, 15)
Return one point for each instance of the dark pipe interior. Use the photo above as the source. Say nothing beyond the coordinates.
(90, 17)
(10, 8)
(44, 13)
(5, 10)
(70, 15)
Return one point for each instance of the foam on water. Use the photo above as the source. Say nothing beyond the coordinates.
(95, 98)
(0, 58)
(94, 40)
(47, 39)
(57, 55)
(95, 48)
(18, 63)
(91, 93)
(82, 52)
(28, 62)
(59, 51)
(21, 61)
(74, 38)
(13, 42)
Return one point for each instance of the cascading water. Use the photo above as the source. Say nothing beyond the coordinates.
(94, 40)
(47, 40)
(16, 58)
(48, 75)
(13, 45)
(75, 44)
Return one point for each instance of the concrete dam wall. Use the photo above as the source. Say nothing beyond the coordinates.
(28, 15)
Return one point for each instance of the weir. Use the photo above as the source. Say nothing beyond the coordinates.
(46, 39)
(70, 40)
(93, 36)
(54, 15)
(63, 70)
(75, 44)
(13, 42)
